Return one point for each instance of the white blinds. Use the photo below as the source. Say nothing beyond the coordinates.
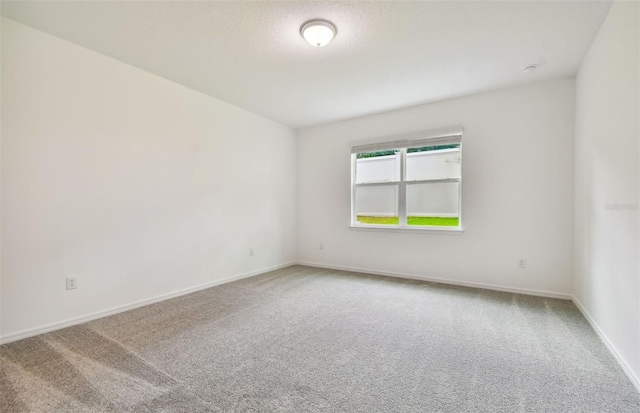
(425, 138)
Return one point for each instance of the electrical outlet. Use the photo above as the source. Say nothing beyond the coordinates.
(522, 263)
(251, 252)
(71, 283)
(321, 246)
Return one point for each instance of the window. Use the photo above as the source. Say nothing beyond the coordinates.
(411, 183)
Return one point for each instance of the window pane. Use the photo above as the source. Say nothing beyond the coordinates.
(433, 162)
(377, 205)
(434, 205)
(378, 167)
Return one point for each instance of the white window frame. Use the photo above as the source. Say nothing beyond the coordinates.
(418, 139)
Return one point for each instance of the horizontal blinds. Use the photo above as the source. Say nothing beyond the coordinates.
(414, 140)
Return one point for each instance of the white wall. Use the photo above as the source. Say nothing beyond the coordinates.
(135, 185)
(607, 183)
(517, 192)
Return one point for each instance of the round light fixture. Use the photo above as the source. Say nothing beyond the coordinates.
(530, 69)
(318, 32)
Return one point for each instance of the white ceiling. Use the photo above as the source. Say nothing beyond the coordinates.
(387, 55)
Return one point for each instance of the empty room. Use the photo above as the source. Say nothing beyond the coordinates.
(320, 206)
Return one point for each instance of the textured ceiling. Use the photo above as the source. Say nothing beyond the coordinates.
(386, 55)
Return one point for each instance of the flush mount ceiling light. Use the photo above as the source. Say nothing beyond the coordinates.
(318, 32)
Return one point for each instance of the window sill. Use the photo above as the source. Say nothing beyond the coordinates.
(391, 228)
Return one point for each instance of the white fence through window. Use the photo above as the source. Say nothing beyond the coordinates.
(426, 200)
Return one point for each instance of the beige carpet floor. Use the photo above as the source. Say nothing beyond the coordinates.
(310, 340)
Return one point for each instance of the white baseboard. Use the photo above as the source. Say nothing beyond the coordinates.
(603, 337)
(115, 310)
(537, 293)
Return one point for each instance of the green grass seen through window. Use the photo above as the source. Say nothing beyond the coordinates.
(415, 221)
(378, 220)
